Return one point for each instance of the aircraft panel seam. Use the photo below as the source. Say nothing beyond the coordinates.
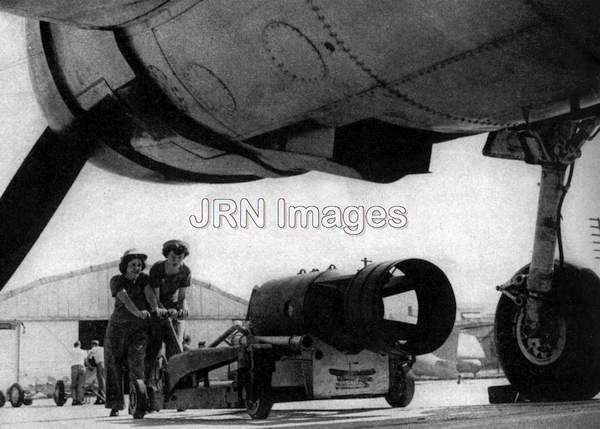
(183, 85)
(485, 47)
(385, 85)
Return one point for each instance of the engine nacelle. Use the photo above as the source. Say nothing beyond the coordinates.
(353, 312)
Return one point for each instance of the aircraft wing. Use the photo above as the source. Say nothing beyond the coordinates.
(430, 365)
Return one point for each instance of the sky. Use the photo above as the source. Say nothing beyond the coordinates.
(472, 216)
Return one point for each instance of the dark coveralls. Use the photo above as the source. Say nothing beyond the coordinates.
(168, 286)
(126, 339)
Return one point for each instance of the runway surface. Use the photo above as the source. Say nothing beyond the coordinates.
(437, 404)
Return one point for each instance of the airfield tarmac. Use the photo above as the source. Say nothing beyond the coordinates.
(437, 404)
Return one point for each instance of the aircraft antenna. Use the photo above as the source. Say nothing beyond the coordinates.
(595, 225)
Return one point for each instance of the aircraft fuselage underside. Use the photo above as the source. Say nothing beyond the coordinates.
(233, 91)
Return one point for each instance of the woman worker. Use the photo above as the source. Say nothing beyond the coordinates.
(169, 279)
(128, 328)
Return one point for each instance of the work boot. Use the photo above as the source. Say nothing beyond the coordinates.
(114, 413)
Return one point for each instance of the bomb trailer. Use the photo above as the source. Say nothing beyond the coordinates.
(319, 335)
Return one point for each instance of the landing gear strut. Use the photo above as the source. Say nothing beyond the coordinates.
(547, 319)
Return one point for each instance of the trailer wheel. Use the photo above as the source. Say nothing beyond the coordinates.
(138, 399)
(59, 393)
(16, 395)
(156, 382)
(257, 399)
(401, 391)
(2, 399)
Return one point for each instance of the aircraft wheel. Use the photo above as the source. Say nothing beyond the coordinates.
(16, 395)
(138, 399)
(2, 399)
(257, 399)
(59, 393)
(561, 360)
(401, 391)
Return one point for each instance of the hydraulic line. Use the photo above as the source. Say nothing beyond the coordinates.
(559, 215)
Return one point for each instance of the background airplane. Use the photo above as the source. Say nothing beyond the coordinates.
(468, 349)
(204, 91)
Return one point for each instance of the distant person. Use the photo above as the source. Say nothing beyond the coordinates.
(96, 360)
(127, 332)
(169, 280)
(77, 373)
(186, 345)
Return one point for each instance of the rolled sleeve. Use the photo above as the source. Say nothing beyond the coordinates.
(155, 276)
(116, 285)
(188, 280)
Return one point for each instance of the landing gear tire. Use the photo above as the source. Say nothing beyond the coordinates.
(257, 399)
(138, 399)
(59, 393)
(561, 360)
(16, 395)
(2, 399)
(401, 394)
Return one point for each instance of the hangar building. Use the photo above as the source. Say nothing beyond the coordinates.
(55, 311)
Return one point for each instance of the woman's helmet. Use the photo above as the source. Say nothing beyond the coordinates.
(128, 256)
(177, 246)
